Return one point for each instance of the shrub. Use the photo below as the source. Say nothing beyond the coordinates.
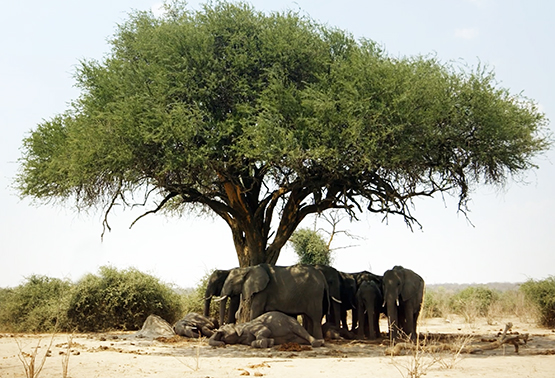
(436, 303)
(37, 305)
(193, 299)
(310, 247)
(542, 295)
(120, 300)
(473, 301)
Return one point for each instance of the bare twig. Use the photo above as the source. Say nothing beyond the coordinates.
(29, 360)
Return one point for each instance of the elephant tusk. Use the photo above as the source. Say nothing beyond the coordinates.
(397, 302)
(209, 297)
(336, 300)
(220, 298)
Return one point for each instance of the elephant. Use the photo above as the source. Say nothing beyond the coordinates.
(369, 307)
(195, 325)
(214, 289)
(293, 290)
(348, 297)
(359, 278)
(403, 295)
(269, 329)
(334, 281)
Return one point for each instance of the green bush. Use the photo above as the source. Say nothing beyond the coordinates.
(311, 247)
(542, 294)
(193, 299)
(120, 300)
(474, 301)
(37, 305)
(436, 303)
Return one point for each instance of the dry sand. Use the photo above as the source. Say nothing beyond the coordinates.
(121, 355)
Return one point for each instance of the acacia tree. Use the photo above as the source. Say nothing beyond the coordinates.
(267, 118)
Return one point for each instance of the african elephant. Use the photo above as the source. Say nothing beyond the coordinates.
(348, 297)
(214, 289)
(369, 308)
(359, 278)
(403, 295)
(293, 290)
(271, 328)
(195, 325)
(334, 281)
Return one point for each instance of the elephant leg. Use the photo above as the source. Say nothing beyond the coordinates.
(314, 324)
(411, 316)
(206, 331)
(335, 314)
(214, 341)
(343, 316)
(257, 307)
(376, 322)
(354, 319)
(263, 337)
(360, 315)
(371, 315)
(234, 303)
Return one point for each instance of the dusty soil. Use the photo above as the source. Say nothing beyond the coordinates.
(123, 355)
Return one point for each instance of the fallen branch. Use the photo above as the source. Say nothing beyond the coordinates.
(515, 340)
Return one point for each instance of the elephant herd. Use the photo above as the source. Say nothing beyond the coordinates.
(313, 292)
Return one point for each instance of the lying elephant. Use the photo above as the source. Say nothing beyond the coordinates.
(265, 331)
(195, 325)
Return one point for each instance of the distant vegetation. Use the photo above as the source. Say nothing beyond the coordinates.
(122, 299)
(112, 299)
(542, 295)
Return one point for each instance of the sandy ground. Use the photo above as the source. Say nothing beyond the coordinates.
(122, 355)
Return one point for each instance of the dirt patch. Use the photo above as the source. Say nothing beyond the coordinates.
(119, 354)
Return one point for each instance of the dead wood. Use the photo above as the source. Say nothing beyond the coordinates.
(514, 339)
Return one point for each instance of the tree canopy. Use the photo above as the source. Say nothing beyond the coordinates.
(265, 119)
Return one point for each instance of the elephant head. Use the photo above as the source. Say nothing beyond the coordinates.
(214, 288)
(403, 294)
(245, 282)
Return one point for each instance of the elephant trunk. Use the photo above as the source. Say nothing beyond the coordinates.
(223, 303)
(207, 301)
(392, 316)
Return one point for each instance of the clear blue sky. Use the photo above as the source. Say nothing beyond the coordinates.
(512, 237)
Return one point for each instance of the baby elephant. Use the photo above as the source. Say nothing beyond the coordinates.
(195, 325)
(269, 329)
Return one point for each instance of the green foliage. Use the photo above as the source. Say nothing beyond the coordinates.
(542, 294)
(37, 305)
(193, 300)
(311, 247)
(436, 303)
(474, 301)
(247, 113)
(120, 300)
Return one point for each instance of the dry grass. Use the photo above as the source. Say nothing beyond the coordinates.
(195, 366)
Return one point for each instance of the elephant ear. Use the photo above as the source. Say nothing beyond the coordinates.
(408, 290)
(256, 281)
(240, 329)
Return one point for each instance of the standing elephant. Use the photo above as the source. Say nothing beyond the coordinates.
(334, 281)
(348, 297)
(359, 278)
(403, 295)
(293, 290)
(369, 308)
(214, 289)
